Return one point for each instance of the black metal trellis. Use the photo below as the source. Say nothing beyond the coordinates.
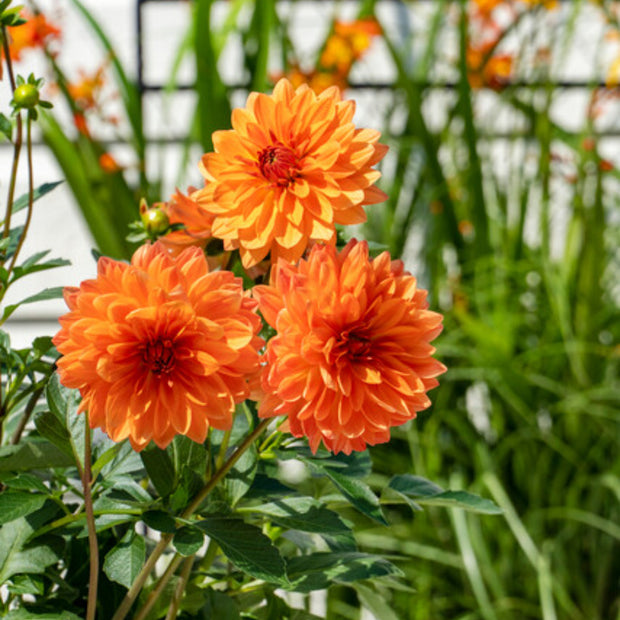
(379, 86)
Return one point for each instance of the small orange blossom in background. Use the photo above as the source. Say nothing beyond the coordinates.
(292, 167)
(352, 354)
(159, 347)
(35, 33)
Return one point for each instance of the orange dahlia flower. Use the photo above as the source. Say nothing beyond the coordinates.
(292, 167)
(352, 354)
(159, 347)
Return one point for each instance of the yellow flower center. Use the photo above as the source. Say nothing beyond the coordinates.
(278, 164)
(159, 356)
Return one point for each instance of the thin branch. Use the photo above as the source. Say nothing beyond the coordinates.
(90, 520)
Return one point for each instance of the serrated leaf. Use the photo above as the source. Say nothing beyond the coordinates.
(32, 454)
(358, 493)
(16, 504)
(160, 521)
(123, 563)
(188, 540)
(247, 548)
(239, 479)
(15, 558)
(302, 513)
(50, 427)
(428, 493)
(318, 570)
(27, 482)
(63, 402)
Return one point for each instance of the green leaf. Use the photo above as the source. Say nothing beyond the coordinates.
(27, 584)
(160, 469)
(239, 479)
(247, 548)
(464, 500)
(123, 563)
(53, 429)
(64, 402)
(26, 482)
(45, 188)
(160, 521)
(6, 127)
(188, 540)
(318, 570)
(16, 504)
(32, 454)
(15, 558)
(358, 493)
(44, 295)
(219, 606)
(302, 513)
(428, 493)
(27, 614)
(374, 602)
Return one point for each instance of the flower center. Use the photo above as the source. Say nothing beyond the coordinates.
(159, 356)
(352, 346)
(278, 164)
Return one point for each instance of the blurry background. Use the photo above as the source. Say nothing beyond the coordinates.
(503, 119)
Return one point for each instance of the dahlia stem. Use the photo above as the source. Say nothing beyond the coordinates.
(133, 592)
(186, 571)
(90, 520)
(159, 588)
(22, 237)
(17, 145)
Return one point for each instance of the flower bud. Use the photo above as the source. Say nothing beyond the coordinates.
(154, 219)
(26, 96)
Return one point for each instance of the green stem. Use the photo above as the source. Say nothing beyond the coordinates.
(17, 145)
(136, 586)
(34, 398)
(22, 237)
(92, 532)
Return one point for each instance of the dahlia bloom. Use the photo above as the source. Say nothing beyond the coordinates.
(352, 354)
(292, 167)
(159, 347)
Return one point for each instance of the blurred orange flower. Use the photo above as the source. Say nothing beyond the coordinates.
(36, 32)
(483, 70)
(351, 357)
(86, 91)
(159, 347)
(292, 167)
(109, 164)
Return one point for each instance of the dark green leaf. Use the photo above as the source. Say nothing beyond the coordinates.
(27, 584)
(123, 563)
(188, 540)
(319, 570)
(27, 482)
(218, 606)
(428, 493)
(247, 548)
(160, 469)
(32, 454)
(355, 491)
(240, 478)
(15, 558)
(27, 614)
(53, 429)
(160, 521)
(64, 402)
(302, 513)
(16, 504)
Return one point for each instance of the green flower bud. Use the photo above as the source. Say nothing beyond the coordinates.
(155, 221)
(26, 96)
